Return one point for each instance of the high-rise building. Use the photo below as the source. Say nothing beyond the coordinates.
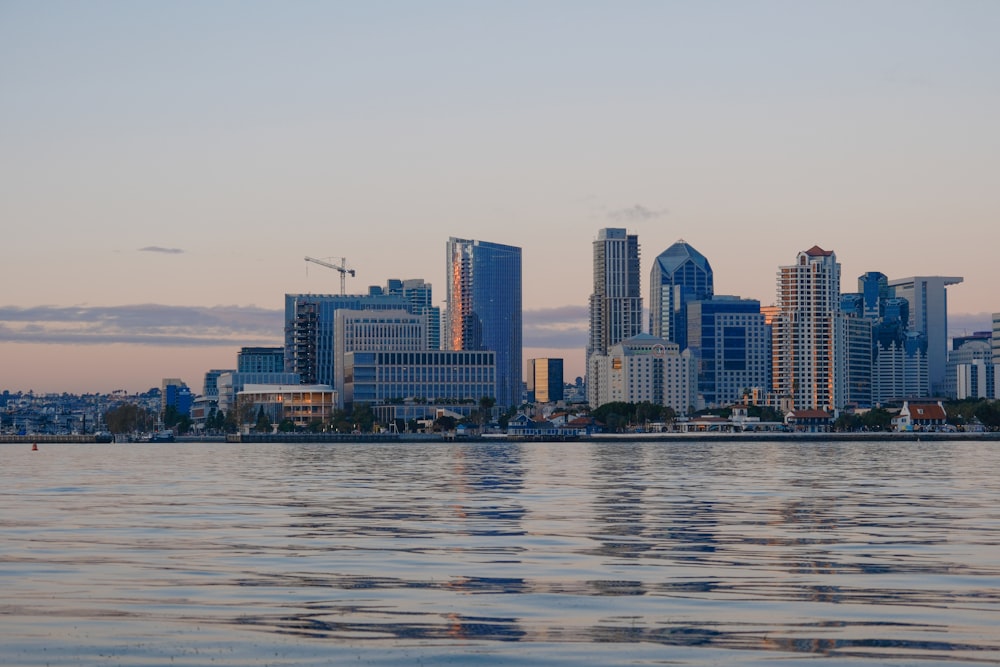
(260, 360)
(309, 331)
(805, 332)
(730, 348)
(873, 287)
(545, 380)
(996, 340)
(680, 275)
(616, 302)
(419, 295)
(855, 356)
(928, 301)
(484, 308)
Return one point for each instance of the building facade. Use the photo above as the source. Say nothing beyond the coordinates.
(304, 405)
(375, 331)
(310, 339)
(484, 309)
(730, 348)
(805, 332)
(645, 368)
(428, 376)
(927, 297)
(545, 380)
(616, 302)
(230, 384)
(680, 275)
(260, 360)
(970, 367)
(420, 296)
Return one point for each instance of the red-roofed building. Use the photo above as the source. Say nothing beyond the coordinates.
(921, 417)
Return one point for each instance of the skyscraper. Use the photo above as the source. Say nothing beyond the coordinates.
(928, 298)
(805, 332)
(484, 308)
(679, 276)
(616, 303)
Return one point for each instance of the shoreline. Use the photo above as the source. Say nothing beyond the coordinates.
(409, 438)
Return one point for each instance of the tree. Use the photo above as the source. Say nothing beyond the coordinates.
(286, 425)
(989, 414)
(445, 423)
(127, 418)
(263, 424)
(486, 404)
(363, 417)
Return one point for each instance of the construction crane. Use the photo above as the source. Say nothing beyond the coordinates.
(342, 267)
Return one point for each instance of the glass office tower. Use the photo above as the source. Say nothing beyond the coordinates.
(679, 276)
(484, 308)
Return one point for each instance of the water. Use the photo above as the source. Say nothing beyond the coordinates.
(497, 554)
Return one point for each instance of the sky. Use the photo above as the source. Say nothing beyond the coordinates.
(165, 167)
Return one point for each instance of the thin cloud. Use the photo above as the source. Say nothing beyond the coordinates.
(142, 324)
(160, 249)
(560, 328)
(637, 213)
(964, 324)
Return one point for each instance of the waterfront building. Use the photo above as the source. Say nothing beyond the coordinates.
(928, 307)
(484, 309)
(805, 332)
(375, 331)
(970, 367)
(644, 368)
(730, 348)
(260, 360)
(680, 275)
(302, 404)
(382, 378)
(616, 302)
(545, 380)
(231, 383)
(310, 348)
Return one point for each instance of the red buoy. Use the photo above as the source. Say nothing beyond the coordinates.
(34, 446)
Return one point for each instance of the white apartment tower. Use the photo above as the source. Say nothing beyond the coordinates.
(805, 332)
(616, 303)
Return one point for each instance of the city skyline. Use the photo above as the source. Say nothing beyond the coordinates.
(166, 167)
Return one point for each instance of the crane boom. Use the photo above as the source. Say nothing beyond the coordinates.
(342, 268)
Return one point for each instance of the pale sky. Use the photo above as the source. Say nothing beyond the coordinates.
(165, 167)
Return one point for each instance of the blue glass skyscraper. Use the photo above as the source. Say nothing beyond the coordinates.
(484, 308)
(680, 275)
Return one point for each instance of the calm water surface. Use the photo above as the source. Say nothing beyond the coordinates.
(555, 554)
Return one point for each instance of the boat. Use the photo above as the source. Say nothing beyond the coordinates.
(104, 436)
(162, 436)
